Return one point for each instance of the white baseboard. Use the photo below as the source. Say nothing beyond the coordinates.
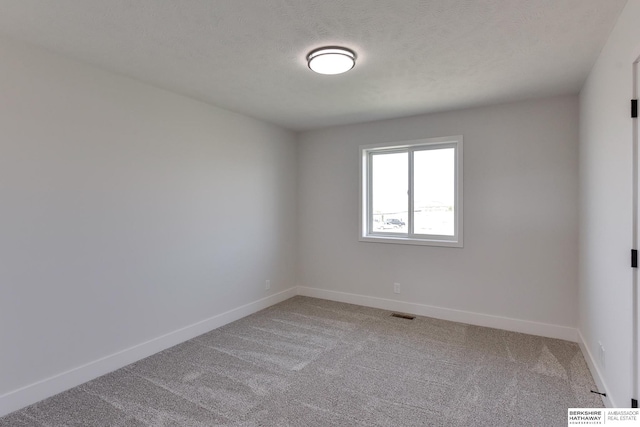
(32, 393)
(595, 373)
(515, 325)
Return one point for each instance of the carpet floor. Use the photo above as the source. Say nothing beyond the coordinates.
(311, 362)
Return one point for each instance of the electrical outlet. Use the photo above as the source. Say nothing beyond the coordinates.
(267, 285)
(601, 353)
(396, 288)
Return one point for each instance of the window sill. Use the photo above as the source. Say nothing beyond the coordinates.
(411, 241)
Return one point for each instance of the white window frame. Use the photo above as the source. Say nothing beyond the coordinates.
(366, 233)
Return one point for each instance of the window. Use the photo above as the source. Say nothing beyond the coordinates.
(411, 192)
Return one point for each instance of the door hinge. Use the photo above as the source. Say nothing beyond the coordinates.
(634, 403)
(634, 108)
(634, 258)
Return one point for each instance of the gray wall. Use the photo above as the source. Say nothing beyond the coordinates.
(606, 289)
(519, 259)
(127, 212)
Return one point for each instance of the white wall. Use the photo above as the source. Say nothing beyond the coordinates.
(606, 208)
(519, 259)
(127, 212)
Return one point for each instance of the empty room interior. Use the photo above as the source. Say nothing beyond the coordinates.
(203, 222)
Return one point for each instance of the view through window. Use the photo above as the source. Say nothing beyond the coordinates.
(412, 192)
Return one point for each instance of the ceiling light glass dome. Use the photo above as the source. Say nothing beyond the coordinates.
(331, 60)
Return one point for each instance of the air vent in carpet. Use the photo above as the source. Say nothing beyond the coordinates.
(403, 316)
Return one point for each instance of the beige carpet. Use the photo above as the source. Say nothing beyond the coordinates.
(310, 362)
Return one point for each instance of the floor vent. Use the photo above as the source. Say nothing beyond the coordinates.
(403, 316)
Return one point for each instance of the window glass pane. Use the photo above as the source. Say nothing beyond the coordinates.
(390, 185)
(434, 191)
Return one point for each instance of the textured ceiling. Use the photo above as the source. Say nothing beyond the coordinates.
(414, 56)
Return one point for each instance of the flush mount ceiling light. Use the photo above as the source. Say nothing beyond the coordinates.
(331, 60)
